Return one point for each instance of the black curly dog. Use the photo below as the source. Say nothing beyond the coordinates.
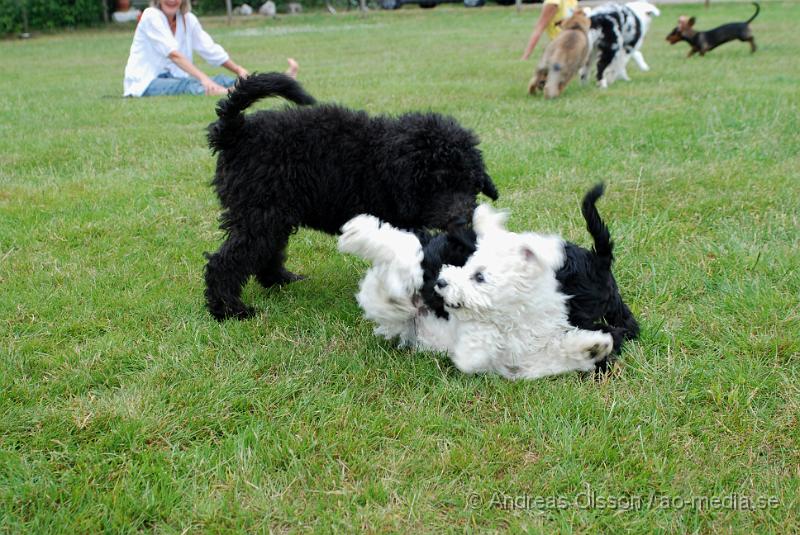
(595, 302)
(318, 166)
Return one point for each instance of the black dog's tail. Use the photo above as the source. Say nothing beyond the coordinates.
(617, 315)
(754, 14)
(247, 91)
(603, 246)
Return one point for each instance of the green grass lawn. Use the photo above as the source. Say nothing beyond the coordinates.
(125, 407)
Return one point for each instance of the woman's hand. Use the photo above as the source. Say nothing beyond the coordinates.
(213, 88)
(210, 86)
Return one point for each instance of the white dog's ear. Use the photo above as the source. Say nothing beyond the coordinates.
(486, 220)
(547, 251)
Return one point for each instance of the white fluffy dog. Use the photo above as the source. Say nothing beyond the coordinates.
(506, 314)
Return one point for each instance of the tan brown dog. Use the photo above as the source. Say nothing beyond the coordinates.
(563, 57)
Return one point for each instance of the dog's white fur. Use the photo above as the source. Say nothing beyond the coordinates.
(388, 293)
(514, 323)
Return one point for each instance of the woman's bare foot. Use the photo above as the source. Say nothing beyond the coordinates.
(293, 68)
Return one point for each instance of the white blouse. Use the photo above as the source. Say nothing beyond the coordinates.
(153, 42)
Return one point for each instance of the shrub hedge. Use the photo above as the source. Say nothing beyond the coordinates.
(48, 14)
(53, 14)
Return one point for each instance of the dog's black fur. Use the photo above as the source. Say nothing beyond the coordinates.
(708, 40)
(318, 166)
(595, 302)
(451, 248)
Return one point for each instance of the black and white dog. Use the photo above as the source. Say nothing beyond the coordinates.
(616, 35)
(556, 305)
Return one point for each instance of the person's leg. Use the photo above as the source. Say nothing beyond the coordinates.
(169, 85)
(224, 81)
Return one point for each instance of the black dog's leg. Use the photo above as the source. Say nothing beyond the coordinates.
(620, 317)
(752, 42)
(621, 325)
(271, 272)
(227, 271)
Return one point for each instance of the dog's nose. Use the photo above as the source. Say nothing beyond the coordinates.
(441, 283)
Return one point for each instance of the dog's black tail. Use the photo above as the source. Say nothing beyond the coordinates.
(617, 315)
(247, 91)
(754, 14)
(603, 246)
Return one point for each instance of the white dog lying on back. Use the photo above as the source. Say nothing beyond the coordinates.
(506, 314)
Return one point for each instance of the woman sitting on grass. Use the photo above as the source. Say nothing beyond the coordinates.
(160, 62)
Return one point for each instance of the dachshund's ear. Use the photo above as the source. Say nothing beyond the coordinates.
(691, 22)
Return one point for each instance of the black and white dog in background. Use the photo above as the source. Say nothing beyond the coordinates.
(616, 35)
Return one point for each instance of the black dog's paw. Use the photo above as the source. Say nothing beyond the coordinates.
(239, 312)
(604, 367)
(267, 280)
(288, 277)
(243, 313)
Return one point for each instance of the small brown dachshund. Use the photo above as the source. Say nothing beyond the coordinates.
(703, 42)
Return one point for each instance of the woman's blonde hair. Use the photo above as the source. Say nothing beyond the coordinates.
(186, 5)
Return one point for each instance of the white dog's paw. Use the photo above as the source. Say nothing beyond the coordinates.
(486, 219)
(603, 84)
(586, 348)
(598, 347)
(357, 232)
(361, 223)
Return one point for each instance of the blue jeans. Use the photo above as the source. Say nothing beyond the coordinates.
(166, 84)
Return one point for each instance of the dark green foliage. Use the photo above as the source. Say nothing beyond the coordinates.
(48, 14)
